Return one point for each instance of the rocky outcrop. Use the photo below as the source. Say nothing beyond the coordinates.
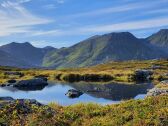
(31, 83)
(72, 93)
(22, 106)
(6, 99)
(141, 75)
(163, 90)
(154, 67)
(3, 85)
(157, 91)
(43, 77)
(165, 82)
(11, 81)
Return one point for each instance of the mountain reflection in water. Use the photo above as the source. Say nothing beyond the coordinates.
(99, 93)
(113, 91)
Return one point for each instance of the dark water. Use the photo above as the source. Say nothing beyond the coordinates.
(55, 92)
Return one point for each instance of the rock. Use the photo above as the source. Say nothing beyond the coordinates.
(6, 99)
(9, 85)
(166, 74)
(141, 75)
(43, 77)
(157, 91)
(11, 81)
(72, 93)
(31, 83)
(3, 85)
(155, 67)
(25, 106)
(165, 82)
(29, 101)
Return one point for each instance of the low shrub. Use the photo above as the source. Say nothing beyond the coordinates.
(84, 77)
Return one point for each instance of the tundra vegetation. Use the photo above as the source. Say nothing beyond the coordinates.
(153, 110)
(113, 71)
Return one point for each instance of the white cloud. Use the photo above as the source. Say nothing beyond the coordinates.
(125, 26)
(14, 18)
(23, 1)
(50, 32)
(118, 9)
(156, 11)
(143, 24)
(60, 1)
(50, 6)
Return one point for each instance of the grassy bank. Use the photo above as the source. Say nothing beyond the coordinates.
(151, 111)
(115, 71)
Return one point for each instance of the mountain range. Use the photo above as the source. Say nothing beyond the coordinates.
(22, 54)
(98, 49)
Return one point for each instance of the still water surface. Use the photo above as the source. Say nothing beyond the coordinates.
(55, 92)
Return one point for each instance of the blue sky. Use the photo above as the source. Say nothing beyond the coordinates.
(62, 23)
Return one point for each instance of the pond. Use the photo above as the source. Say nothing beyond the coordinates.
(55, 92)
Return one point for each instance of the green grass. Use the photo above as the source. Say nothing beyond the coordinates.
(153, 111)
(118, 71)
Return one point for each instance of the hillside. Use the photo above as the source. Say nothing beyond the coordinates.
(24, 52)
(151, 111)
(103, 48)
(160, 38)
(98, 49)
(8, 60)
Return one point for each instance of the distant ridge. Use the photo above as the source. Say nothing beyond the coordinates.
(8, 60)
(103, 48)
(26, 53)
(116, 46)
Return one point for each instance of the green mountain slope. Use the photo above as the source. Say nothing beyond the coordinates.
(100, 49)
(8, 60)
(26, 52)
(160, 38)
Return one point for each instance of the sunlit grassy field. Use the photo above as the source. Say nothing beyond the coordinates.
(153, 111)
(118, 71)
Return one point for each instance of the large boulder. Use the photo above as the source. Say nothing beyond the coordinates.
(43, 77)
(72, 93)
(165, 82)
(2, 85)
(24, 106)
(31, 83)
(157, 91)
(6, 99)
(141, 75)
(11, 81)
(154, 67)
